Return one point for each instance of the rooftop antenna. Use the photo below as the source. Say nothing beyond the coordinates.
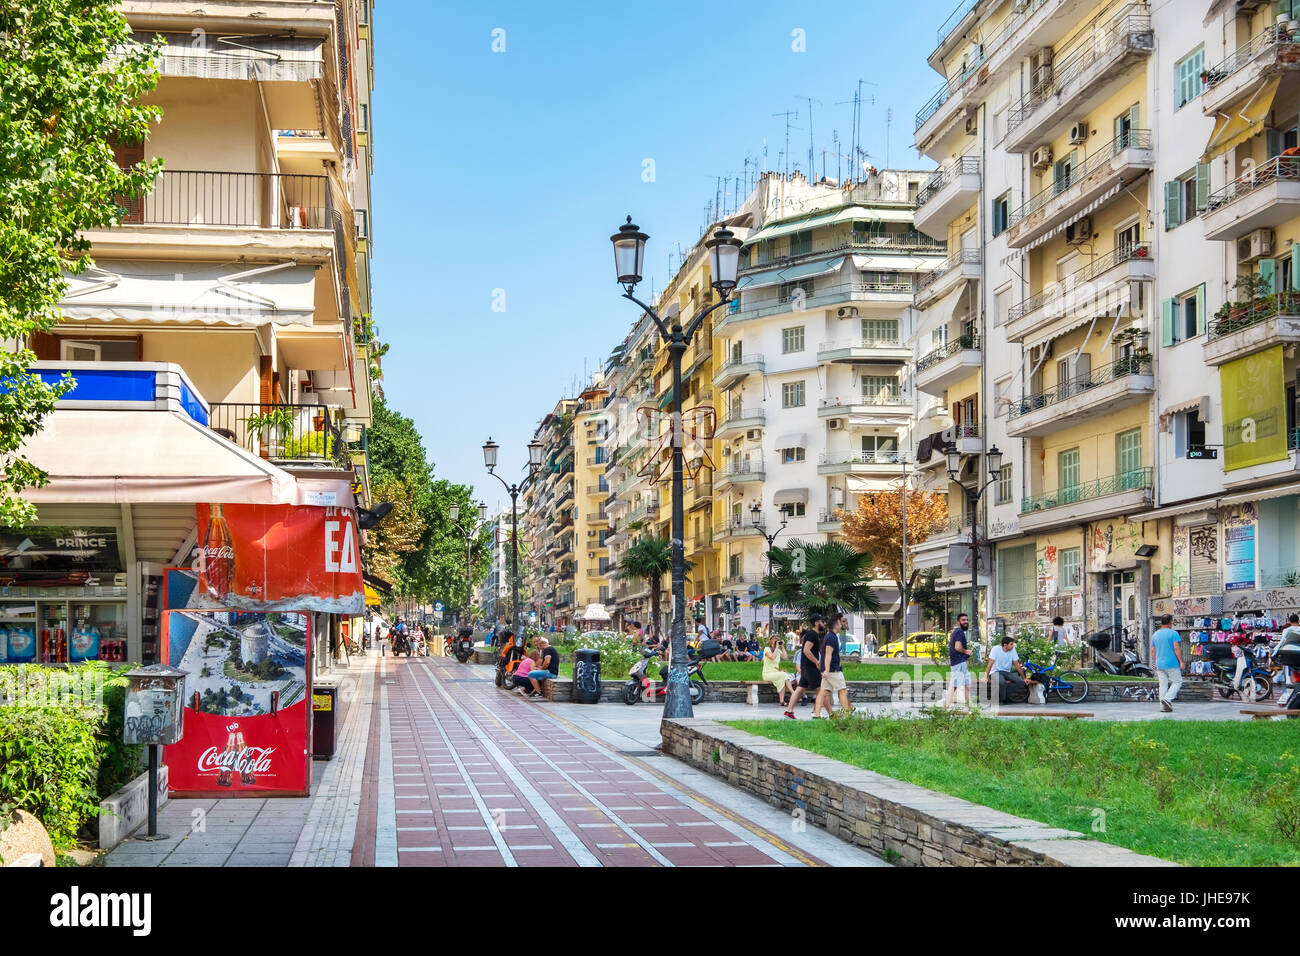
(812, 166)
(835, 141)
(857, 101)
(889, 123)
(785, 169)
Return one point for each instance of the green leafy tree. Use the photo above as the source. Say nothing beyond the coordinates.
(70, 86)
(820, 578)
(927, 597)
(648, 560)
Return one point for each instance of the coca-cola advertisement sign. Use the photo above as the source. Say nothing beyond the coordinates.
(251, 756)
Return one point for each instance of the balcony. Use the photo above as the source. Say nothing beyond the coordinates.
(1099, 288)
(963, 439)
(827, 522)
(964, 265)
(1106, 389)
(952, 190)
(735, 528)
(888, 290)
(293, 436)
(888, 404)
(1242, 332)
(699, 493)
(740, 420)
(594, 491)
(1081, 78)
(887, 463)
(737, 370)
(1107, 170)
(1102, 498)
(1274, 51)
(1264, 198)
(888, 351)
(948, 365)
(739, 473)
(740, 582)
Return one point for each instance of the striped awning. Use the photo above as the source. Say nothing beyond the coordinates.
(1242, 120)
(1064, 224)
(806, 270)
(791, 496)
(269, 59)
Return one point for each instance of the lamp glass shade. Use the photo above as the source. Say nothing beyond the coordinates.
(629, 253)
(724, 253)
(482, 512)
(490, 454)
(756, 516)
(535, 449)
(954, 462)
(994, 458)
(454, 511)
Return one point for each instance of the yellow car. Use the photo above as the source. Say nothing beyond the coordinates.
(919, 644)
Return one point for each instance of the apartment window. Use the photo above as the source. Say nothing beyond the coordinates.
(791, 455)
(601, 538)
(789, 290)
(1070, 561)
(1187, 196)
(879, 389)
(792, 339)
(882, 448)
(600, 456)
(1004, 484)
(1189, 432)
(1183, 317)
(801, 242)
(1001, 214)
(1063, 171)
(365, 117)
(1067, 474)
(1125, 125)
(1017, 578)
(796, 510)
(604, 594)
(913, 192)
(1188, 84)
(1128, 456)
(792, 395)
(1128, 238)
(880, 330)
(604, 565)
(733, 565)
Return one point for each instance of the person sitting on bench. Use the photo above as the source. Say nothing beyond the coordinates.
(1012, 680)
(549, 670)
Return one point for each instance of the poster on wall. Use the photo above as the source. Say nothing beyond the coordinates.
(246, 692)
(1254, 410)
(1239, 557)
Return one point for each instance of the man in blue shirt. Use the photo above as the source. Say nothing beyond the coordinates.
(958, 661)
(1167, 655)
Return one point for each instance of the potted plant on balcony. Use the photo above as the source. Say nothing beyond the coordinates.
(270, 427)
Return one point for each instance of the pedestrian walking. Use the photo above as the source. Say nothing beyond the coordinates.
(958, 666)
(832, 674)
(810, 678)
(1167, 652)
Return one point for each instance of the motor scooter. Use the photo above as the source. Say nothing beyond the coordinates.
(639, 683)
(1223, 674)
(1123, 663)
(463, 645)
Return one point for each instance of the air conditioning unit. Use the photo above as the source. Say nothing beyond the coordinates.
(1079, 133)
(972, 124)
(1041, 158)
(1256, 245)
(1041, 77)
(835, 424)
(847, 311)
(754, 434)
(1079, 232)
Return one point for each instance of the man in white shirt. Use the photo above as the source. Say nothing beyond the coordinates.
(1003, 658)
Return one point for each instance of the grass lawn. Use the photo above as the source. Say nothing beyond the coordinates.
(753, 670)
(1196, 792)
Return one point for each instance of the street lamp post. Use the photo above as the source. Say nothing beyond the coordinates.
(534, 462)
(454, 513)
(629, 259)
(993, 458)
(756, 520)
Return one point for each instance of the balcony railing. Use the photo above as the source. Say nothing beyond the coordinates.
(954, 18)
(748, 466)
(732, 580)
(1133, 480)
(730, 366)
(301, 434)
(1139, 364)
(244, 200)
(1133, 139)
(863, 342)
(909, 240)
(1279, 168)
(958, 258)
(1275, 37)
(1261, 310)
(1073, 286)
(961, 166)
(954, 347)
(747, 415)
(884, 397)
(874, 457)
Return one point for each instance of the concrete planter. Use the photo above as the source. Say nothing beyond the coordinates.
(121, 813)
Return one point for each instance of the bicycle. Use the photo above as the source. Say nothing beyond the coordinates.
(1069, 686)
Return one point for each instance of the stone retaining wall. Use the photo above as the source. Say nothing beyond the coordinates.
(878, 813)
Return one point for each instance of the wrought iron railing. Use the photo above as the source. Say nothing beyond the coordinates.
(957, 345)
(1133, 139)
(301, 434)
(862, 342)
(734, 580)
(960, 257)
(961, 166)
(1276, 37)
(1073, 284)
(1260, 310)
(884, 397)
(875, 457)
(909, 240)
(1285, 168)
(1138, 364)
(732, 365)
(735, 469)
(828, 516)
(954, 18)
(246, 200)
(1133, 480)
(747, 416)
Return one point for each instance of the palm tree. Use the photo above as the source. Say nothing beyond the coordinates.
(820, 578)
(649, 559)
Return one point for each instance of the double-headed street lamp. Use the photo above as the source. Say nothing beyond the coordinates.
(629, 259)
(756, 520)
(454, 513)
(993, 458)
(534, 462)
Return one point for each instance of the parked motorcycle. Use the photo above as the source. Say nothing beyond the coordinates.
(639, 683)
(1224, 673)
(1123, 663)
(463, 645)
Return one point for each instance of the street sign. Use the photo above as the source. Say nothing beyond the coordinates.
(1200, 454)
(437, 607)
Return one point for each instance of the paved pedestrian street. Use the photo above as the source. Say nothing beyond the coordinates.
(437, 767)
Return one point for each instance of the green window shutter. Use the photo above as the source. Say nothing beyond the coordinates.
(1295, 266)
(1273, 138)
(1200, 309)
(1202, 186)
(1167, 311)
(1173, 204)
(1268, 272)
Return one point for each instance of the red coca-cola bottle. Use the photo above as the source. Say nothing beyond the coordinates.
(246, 777)
(216, 564)
(228, 756)
(45, 646)
(275, 702)
(61, 646)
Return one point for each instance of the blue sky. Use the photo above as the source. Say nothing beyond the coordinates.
(509, 170)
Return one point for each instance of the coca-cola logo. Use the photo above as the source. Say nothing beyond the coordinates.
(248, 760)
(225, 551)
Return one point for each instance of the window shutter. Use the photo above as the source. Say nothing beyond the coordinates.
(1173, 204)
(1268, 272)
(1200, 309)
(1202, 186)
(1273, 139)
(1167, 309)
(1295, 266)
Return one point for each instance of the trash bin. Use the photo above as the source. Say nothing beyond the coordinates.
(324, 698)
(586, 676)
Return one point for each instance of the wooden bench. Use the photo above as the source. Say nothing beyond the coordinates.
(1263, 713)
(1067, 714)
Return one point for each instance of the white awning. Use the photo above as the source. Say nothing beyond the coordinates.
(197, 292)
(942, 311)
(791, 496)
(1201, 404)
(783, 227)
(1182, 508)
(1058, 328)
(858, 486)
(270, 59)
(806, 270)
(885, 263)
(792, 441)
(1261, 494)
(1061, 226)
